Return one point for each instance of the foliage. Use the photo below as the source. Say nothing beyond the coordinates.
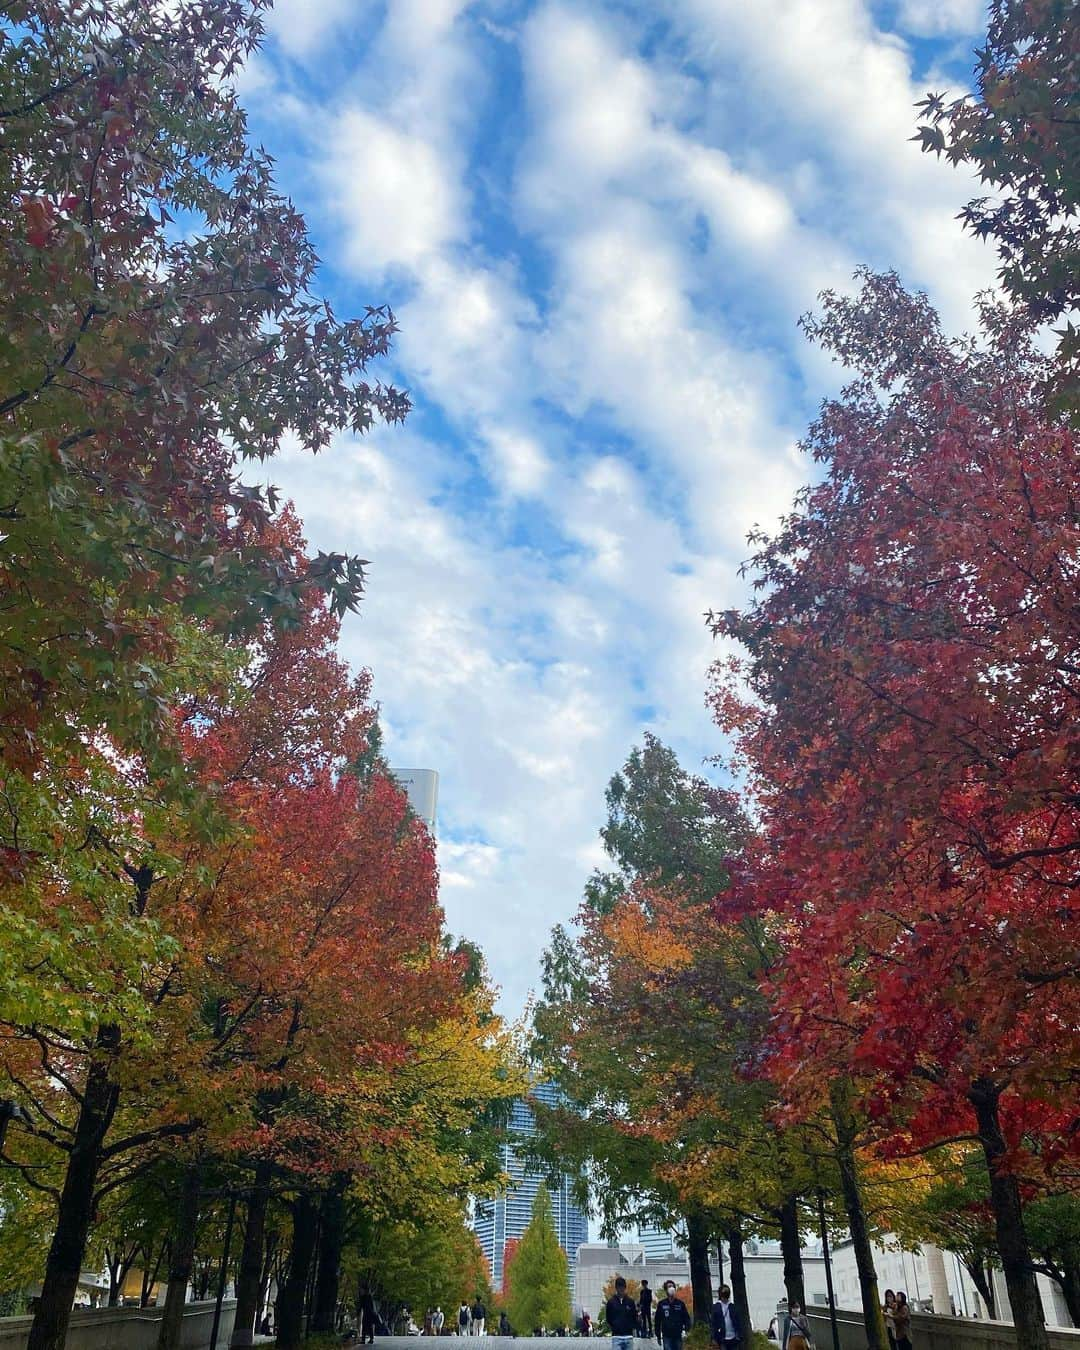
(666, 828)
(1021, 132)
(540, 1296)
(652, 1018)
(914, 597)
(633, 1288)
(418, 1266)
(699, 1337)
(510, 1251)
(1053, 1228)
(158, 328)
(919, 836)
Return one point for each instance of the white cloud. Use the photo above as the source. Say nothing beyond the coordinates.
(598, 319)
(303, 27)
(392, 197)
(939, 18)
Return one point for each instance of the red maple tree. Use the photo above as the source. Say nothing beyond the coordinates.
(907, 716)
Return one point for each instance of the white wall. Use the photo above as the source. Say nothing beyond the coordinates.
(910, 1271)
(764, 1278)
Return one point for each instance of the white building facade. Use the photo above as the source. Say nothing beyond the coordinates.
(597, 1263)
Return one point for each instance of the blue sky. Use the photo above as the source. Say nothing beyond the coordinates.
(598, 224)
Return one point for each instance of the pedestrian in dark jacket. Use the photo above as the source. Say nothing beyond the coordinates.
(671, 1319)
(621, 1315)
(367, 1318)
(727, 1330)
(645, 1305)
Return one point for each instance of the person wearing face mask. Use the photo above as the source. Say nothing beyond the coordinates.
(797, 1330)
(671, 1319)
(726, 1327)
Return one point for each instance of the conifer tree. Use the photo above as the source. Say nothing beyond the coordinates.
(540, 1294)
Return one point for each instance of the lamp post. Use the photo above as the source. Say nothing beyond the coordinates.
(828, 1268)
(224, 1272)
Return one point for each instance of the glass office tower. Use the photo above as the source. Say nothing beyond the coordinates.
(507, 1216)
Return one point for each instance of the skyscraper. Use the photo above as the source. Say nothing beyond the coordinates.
(507, 1216)
(658, 1243)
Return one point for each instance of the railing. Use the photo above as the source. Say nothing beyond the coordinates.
(932, 1332)
(127, 1328)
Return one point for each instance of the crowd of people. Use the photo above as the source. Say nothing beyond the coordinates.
(628, 1320)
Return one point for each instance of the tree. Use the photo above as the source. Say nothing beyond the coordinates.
(141, 365)
(633, 1289)
(910, 735)
(667, 828)
(421, 1266)
(541, 1293)
(510, 1251)
(1021, 132)
(652, 1022)
(206, 997)
(1053, 1226)
(953, 1212)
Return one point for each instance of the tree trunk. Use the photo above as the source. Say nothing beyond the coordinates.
(697, 1248)
(309, 1294)
(873, 1318)
(1070, 1291)
(983, 1282)
(249, 1275)
(150, 1274)
(738, 1278)
(114, 1281)
(1012, 1243)
(64, 1263)
(269, 1261)
(181, 1259)
(331, 1240)
(791, 1250)
(292, 1294)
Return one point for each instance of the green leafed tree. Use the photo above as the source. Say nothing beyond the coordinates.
(1020, 131)
(540, 1294)
(159, 329)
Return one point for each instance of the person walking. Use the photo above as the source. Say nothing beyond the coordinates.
(797, 1330)
(479, 1316)
(645, 1308)
(504, 1324)
(727, 1329)
(463, 1319)
(366, 1309)
(672, 1321)
(888, 1310)
(621, 1316)
(438, 1319)
(902, 1321)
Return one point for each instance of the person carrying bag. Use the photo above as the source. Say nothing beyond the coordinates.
(797, 1331)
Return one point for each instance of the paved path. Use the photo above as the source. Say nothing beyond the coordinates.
(501, 1342)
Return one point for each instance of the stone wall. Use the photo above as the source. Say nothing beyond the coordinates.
(933, 1333)
(127, 1328)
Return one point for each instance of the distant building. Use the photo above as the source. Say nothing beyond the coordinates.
(657, 1243)
(507, 1216)
(421, 786)
(597, 1263)
(934, 1281)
